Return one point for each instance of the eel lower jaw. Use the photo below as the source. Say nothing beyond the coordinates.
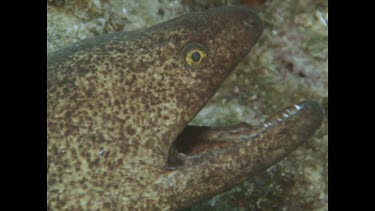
(195, 142)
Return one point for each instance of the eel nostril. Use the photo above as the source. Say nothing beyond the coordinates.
(252, 24)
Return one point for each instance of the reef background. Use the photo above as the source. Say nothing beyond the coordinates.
(289, 64)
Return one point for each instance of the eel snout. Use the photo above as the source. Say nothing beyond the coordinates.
(246, 145)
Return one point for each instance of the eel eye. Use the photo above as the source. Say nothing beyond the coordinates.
(195, 55)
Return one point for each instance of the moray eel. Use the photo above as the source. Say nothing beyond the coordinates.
(119, 105)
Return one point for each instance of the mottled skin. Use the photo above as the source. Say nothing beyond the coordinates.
(118, 102)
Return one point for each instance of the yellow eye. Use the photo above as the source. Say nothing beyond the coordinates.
(195, 57)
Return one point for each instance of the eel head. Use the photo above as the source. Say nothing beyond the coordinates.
(119, 107)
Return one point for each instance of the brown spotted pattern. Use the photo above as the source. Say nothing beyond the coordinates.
(117, 102)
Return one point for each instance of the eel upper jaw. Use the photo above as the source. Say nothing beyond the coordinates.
(196, 142)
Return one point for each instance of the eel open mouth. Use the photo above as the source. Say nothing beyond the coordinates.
(282, 132)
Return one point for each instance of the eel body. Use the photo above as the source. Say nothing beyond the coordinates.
(119, 106)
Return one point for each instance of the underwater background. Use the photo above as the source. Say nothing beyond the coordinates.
(288, 64)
